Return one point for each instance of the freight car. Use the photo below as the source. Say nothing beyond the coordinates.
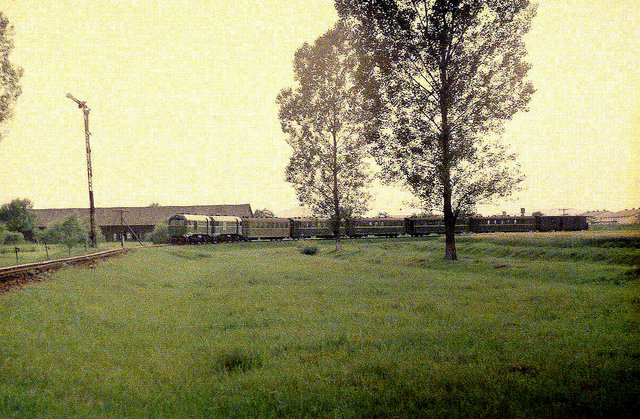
(561, 223)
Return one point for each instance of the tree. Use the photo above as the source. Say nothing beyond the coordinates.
(446, 75)
(9, 73)
(17, 216)
(265, 213)
(324, 117)
(13, 237)
(69, 232)
(3, 231)
(160, 234)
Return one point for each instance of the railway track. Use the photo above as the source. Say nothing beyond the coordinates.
(17, 274)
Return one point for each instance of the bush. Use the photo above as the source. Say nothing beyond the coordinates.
(160, 234)
(309, 250)
(70, 232)
(13, 237)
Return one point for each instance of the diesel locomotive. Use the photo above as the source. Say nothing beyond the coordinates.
(191, 228)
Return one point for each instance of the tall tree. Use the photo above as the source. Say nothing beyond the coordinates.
(324, 117)
(17, 215)
(9, 73)
(447, 74)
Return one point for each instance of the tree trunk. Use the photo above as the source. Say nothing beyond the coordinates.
(450, 234)
(449, 218)
(445, 137)
(336, 202)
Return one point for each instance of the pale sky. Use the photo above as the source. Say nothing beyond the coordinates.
(182, 97)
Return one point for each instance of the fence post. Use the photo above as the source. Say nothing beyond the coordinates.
(16, 249)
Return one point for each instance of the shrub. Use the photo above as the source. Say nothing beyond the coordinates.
(13, 237)
(160, 234)
(70, 232)
(309, 250)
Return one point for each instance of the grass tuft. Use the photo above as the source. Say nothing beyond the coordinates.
(308, 249)
(238, 360)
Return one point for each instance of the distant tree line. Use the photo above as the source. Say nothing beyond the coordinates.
(17, 224)
(263, 213)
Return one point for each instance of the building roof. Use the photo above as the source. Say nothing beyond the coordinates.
(138, 215)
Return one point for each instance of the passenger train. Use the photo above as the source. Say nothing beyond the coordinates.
(190, 228)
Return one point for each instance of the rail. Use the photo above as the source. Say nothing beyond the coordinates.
(10, 272)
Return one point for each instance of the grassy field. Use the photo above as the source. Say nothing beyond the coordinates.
(32, 252)
(523, 325)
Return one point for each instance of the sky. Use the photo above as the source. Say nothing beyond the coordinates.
(182, 97)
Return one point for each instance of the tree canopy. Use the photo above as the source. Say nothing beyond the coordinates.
(324, 117)
(17, 215)
(9, 74)
(70, 232)
(446, 75)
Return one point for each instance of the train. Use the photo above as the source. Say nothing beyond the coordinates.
(193, 228)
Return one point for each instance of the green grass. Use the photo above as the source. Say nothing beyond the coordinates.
(523, 327)
(32, 252)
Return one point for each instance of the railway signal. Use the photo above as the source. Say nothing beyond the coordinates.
(92, 211)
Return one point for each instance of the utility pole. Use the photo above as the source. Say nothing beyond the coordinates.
(92, 211)
(122, 229)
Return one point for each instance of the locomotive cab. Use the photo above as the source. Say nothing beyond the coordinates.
(187, 228)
